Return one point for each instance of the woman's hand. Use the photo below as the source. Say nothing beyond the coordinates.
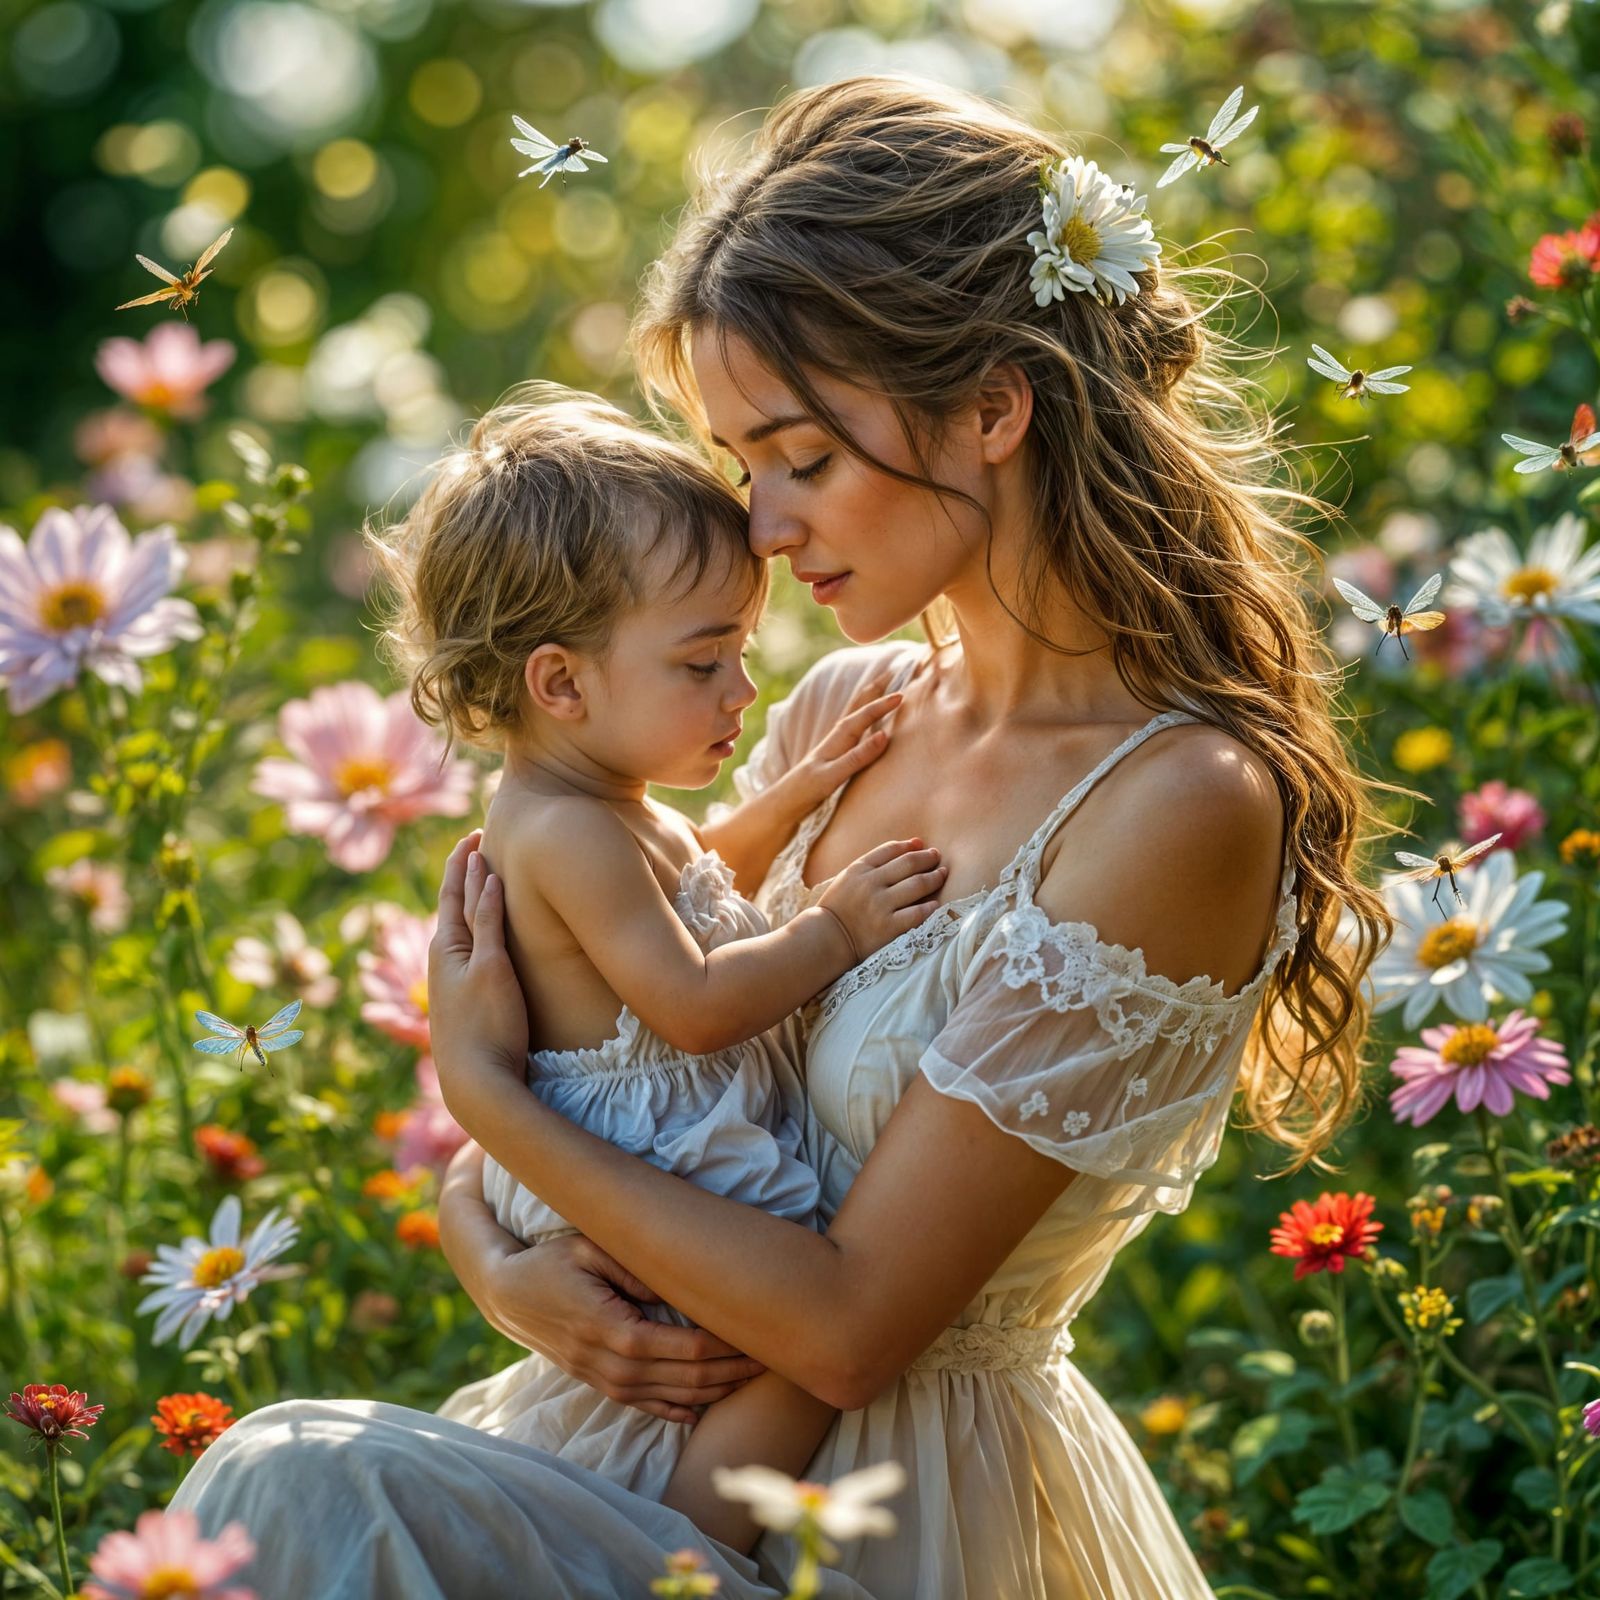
(476, 1008)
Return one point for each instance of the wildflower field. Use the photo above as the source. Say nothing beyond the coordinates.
(215, 808)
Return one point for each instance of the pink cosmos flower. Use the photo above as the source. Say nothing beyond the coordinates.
(98, 887)
(395, 979)
(430, 1135)
(363, 765)
(1591, 1417)
(165, 1556)
(81, 594)
(1512, 813)
(87, 1102)
(169, 372)
(1476, 1063)
(112, 434)
(288, 963)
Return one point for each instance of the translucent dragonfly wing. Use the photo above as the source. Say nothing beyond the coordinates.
(533, 143)
(216, 1024)
(1229, 107)
(1425, 863)
(156, 267)
(218, 1047)
(1538, 456)
(1387, 372)
(1588, 442)
(594, 155)
(150, 299)
(1228, 135)
(1384, 386)
(279, 1020)
(280, 1041)
(1363, 605)
(210, 251)
(1182, 165)
(572, 164)
(1424, 594)
(1328, 365)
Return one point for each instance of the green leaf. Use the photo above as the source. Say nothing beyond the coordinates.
(1267, 1364)
(1546, 1177)
(1535, 1487)
(1537, 1575)
(1568, 1274)
(1340, 1501)
(1427, 1514)
(1452, 1572)
(1489, 1295)
(1276, 1433)
(1427, 1156)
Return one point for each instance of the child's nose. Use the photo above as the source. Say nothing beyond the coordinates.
(744, 690)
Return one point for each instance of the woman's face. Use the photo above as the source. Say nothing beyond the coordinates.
(874, 550)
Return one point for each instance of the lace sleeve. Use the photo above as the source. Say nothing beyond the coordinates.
(1071, 1046)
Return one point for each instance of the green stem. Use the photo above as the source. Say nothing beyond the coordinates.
(25, 1569)
(805, 1583)
(1341, 1364)
(261, 1357)
(1414, 1442)
(61, 1532)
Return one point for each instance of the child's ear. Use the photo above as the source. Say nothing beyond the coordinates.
(551, 677)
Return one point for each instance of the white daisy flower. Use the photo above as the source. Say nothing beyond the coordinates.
(1475, 959)
(1558, 578)
(843, 1509)
(1095, 236)
(202, 1279)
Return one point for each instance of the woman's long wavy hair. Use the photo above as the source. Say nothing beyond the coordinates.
(877, 233)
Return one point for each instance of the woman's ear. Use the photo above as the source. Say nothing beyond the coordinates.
(1004, 410)
(551, 677)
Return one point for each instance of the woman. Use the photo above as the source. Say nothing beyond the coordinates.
(1124, 749)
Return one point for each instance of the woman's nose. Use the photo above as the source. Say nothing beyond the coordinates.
(773, 531)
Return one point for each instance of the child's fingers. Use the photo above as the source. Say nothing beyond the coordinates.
(898, 868)
(886, 852)
(871, 688)
(913, 916)
(852, 725)
(923, 886)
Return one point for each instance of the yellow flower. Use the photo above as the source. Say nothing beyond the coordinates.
(1164, 1415)
(1423, 749)
(1581, 848)
(1429, 1312)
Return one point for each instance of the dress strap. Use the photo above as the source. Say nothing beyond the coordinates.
(1024, 865)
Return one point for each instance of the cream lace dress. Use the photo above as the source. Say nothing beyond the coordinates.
(1024, 1485)
(723, 1121)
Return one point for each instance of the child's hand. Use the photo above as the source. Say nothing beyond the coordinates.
(851, 744)
(881, 894)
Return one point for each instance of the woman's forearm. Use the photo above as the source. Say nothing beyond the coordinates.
(470, 1237)
(781, 1292)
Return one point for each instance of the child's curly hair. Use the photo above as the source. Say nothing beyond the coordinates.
(535, 531)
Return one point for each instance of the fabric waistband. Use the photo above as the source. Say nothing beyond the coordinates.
(982, 1348)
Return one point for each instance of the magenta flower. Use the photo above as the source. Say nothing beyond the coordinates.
(81, 594)
(169, 372)
(289, 963)
(1591, 1417)
(166, 1555)
(98, 888)
(430, 1135)
(1476, 1063)
(363, 765)
(395, 979)
(1512, 813)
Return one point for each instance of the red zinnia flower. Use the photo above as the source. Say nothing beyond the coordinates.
(232, 1156)
(53, 1411)
(1319, 1237)
(418, 1230)
(191, 1421)
(1567, 260)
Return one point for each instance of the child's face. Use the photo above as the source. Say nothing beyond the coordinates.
(666, 704)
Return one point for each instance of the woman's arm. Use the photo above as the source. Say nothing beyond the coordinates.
(945, 1194)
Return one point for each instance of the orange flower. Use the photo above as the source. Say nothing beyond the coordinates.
(127, 1088)
(390, 1124)
(1319, 1237)
(38, 771)
(39, 1186)
(1567, 260)
(418, 1230)
(53, 1411)
(231, 1156)
(387, 1185)
(191, 1421)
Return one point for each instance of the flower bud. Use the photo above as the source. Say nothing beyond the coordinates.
(1484, 1210)
(1317, 1328)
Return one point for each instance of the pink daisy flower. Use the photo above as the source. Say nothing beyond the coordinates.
(289, 963)
(395, 978)
(430, 1135)
(363, 765)
(1512, 813)
(1476, 1063)
(169, 372)
(1591, 1417)
(166, 1556)
(87, 1102)
(98, 887)
(81, 594)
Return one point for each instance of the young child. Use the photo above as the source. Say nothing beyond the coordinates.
(578, 591)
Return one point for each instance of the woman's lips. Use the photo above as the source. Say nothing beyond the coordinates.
(824, 590)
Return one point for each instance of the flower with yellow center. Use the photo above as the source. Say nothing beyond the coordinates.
(74, 604)
(202, 1279)
(362, 773)
(1095, 236)
(1165, 1415)
(815, 1512)
(1581, 848)
(1423, 749)
(1429, 1312)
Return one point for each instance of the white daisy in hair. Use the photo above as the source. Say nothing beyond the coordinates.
(1095, 236)
(1557, 577)
(1479, 957)
(205, 1278)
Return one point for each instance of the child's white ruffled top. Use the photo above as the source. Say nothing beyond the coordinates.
(727, 1121)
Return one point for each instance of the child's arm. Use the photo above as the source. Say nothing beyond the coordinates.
(770, 1422)
(750, 835)
(594, 875)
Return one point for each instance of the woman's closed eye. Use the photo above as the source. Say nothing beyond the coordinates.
(800, 474)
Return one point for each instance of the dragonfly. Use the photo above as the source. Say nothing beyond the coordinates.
(274, 1034)
(1564, 457)
(1396, 620)
(1446, 864)
(1357, 384)
(573, 156)
(182, 292)
(1198, 152)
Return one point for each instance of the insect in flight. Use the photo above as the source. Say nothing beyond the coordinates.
(1446, 864)
(1578, 450)
(1396, 620)
(1198, 152)
(274, 1034)
(573, 156)
(1357, 384)
(182, 292)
